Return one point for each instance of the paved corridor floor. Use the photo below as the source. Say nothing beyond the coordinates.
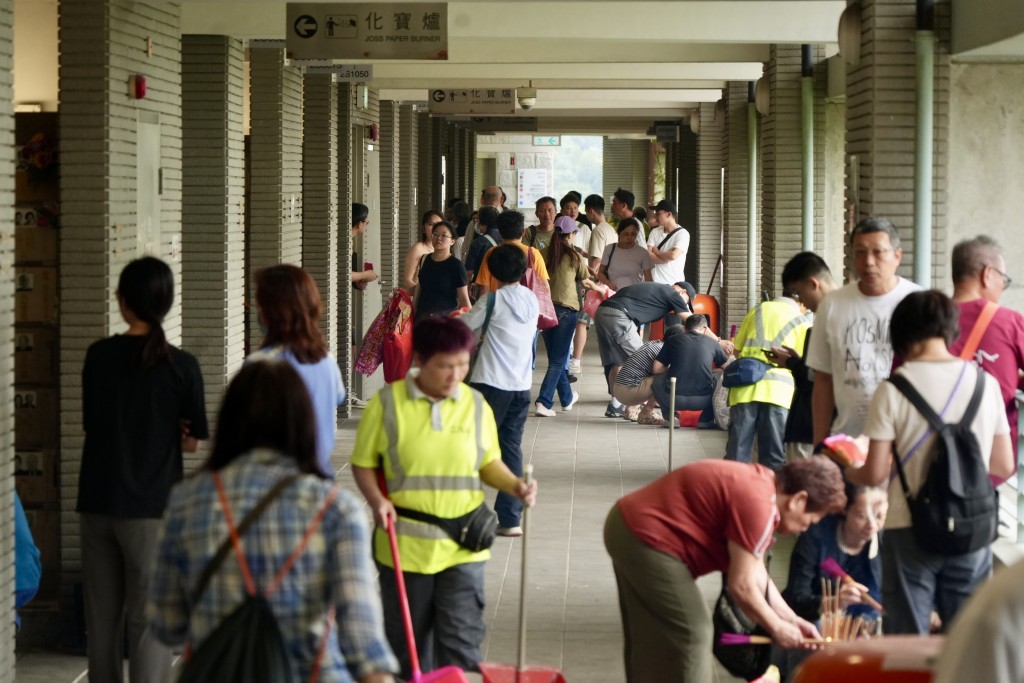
(583, 463)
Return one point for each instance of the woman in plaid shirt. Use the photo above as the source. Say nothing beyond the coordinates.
(266, 432)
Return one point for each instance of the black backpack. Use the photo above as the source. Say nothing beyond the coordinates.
(956, 511)
(247, 646)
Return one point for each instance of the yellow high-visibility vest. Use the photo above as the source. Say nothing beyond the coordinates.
(769, 324)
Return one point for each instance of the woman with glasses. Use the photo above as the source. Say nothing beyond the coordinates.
(414, 257)
(443, 283)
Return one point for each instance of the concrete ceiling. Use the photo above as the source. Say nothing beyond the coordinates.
(627, 63)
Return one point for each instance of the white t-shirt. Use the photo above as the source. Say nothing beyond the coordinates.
(581, 240)
(891, 417)
(851, 343)
(673, 271)
(626, 266)
(601, 236)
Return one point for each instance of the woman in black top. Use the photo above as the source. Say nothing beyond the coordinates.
(142, 401)
(443, 283)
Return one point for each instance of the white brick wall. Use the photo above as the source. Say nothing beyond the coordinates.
(213, 209)
(7, 347)
(102, 44)
(320, 196)
(275, 214)
(880, 115)
(709, 201)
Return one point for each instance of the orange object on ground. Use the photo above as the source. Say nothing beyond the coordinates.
(688, 418)
(705, 304)
(892, 659)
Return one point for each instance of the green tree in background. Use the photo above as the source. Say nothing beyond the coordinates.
(578, 163)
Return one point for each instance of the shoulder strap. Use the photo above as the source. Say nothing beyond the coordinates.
(491, 240)
(533, 235)
(301, 545)
(975, 402)
(978, 331)
(668, 236)
(247, 521)
(422, 260)
(917, 400)
(610, 254)
(483, 331)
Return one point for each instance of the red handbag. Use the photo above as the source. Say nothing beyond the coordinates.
(594, 298)
(397, 346)
(546, 318)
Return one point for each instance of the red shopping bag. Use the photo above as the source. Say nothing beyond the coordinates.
(397, 346)
(546, 318)
(594, 298)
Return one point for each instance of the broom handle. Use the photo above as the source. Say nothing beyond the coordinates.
(671, 417)
(521, 660)
(403, 600)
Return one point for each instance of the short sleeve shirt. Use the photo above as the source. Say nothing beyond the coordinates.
(439, 284)
(693, 512)
(626, 266)
(601, 236)
(673, 271)
(563, 282)
(485, 279)
(691, 358)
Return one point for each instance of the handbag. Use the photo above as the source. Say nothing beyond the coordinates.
(748, 662)
(546, 318)
(744, 372)
(475, 530)
(594, 298)
(371, 352)
(396, 348)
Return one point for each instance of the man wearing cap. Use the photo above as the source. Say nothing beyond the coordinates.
(667, 244)
(618, 321)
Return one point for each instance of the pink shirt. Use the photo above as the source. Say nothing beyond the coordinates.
(1001, 352)
(693, 512)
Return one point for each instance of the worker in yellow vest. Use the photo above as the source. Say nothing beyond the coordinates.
(759, 408)
(436, 443)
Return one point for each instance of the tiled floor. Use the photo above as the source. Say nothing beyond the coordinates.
(583, 463)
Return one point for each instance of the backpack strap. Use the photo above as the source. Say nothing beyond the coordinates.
(301, 546)
(610, 254)
(483, 330)
(978, 331)
(918, 401)
(247, 521)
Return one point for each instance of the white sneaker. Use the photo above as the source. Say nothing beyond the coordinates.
(357, 402)
(541, 411)
(574, 401)
(575, 367)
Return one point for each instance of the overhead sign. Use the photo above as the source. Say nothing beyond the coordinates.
(367, 30)
(533, 184)
(471, 101)
(500, 124)
(666, 132)
(547, 140)
(346, 73)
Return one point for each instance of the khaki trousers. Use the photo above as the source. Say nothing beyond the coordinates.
(665, 621)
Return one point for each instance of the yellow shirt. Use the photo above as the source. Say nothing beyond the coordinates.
(434, 468)
(484, 277)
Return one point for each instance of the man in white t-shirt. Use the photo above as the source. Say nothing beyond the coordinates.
(623, 202)
(602, 234)
(850, 351)
(667, 244)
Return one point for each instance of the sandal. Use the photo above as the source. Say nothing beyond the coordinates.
(651, 419)
(632, 413)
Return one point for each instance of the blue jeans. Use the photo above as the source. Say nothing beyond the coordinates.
(915, 580)
(767, 422)
(510, 409)
(558, 341)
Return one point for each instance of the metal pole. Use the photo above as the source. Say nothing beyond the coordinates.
(751, 198)
(521, 658)
(923, 142)
(807, 130)
(671, 417)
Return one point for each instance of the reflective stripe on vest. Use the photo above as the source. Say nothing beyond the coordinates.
(760, 342)
(399, 480)
(430, 532)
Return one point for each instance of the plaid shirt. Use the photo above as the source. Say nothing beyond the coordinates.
(335, 567)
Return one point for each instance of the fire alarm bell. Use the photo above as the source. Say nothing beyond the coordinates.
(138, 87)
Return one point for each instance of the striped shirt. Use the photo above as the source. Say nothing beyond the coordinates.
(640, 365)
(335, 567)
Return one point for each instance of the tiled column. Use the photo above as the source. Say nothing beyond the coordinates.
(7, 345)
(346, 109)
(436, 147)
(455, 166)
(100, 131)
(709, 202)
(390, 196)
(685, 163)
(735, 155)
(409, 191)
(213, 209)
(880, 116)
(275, 222)
(469, 177)
(320, 196)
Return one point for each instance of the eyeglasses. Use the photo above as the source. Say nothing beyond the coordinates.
(1007, 280)
(441, 236)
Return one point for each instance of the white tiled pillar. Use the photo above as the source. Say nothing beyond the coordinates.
(880, 116)
(102, 129)
(734, 302)
(409, 190)
(455, 165)
(390, 195)
(320, 196)
(275, 185)
(7, 345)
(213, 210)
(346, 110)
(709, 201)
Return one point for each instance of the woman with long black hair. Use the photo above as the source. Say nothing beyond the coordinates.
(142, 403)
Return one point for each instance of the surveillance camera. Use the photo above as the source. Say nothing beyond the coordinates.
(527, 98)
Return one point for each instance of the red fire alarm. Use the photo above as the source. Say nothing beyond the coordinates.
(138, 86)
(512, 160)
